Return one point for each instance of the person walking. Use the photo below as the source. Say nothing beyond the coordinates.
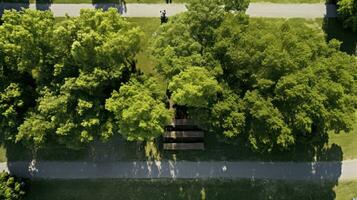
(163, 17)
(125, 9)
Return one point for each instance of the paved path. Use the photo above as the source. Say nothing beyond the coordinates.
(184, 169)
(153, 10)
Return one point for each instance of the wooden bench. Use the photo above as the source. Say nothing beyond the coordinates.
(184, 146)
(183, 134)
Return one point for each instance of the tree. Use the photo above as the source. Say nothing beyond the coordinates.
(322, 96)
(24, 43)
(236, 5)
(194, 87)
(183, 42)
(266, 127)
(273, 85)
(71, 67)
(10, 188)
(347, 11)
(139, 109)
(27, 43)
(228, 114)
(10, 102)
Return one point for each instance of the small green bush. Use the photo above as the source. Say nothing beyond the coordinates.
(10, 187)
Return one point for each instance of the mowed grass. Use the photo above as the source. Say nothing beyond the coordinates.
(348, 142)
(3, 153)
(188, 189)
(149, 26)
(346, 190)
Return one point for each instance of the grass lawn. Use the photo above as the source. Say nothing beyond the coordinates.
(149, 26)
(347, 141)
(188, 189)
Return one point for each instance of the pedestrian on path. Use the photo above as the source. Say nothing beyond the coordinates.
(163, 17)
(124, 6)
(168, 1)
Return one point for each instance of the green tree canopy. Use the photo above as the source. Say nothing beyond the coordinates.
(139, 109)
(27, 43)
(279, 84)
(194, 87)
(71, 67)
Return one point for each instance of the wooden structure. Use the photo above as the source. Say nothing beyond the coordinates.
(182, 134)
(184, 146)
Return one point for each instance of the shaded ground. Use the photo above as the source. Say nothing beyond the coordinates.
(18, 6)
(216, 148)
(189, 189)
(334, 29)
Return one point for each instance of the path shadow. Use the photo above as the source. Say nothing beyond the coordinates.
(312, 155)
(43, 4)
(15, 4)
(333, 29)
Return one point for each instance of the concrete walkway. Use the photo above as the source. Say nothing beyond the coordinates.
(153, 10)
(183, 169)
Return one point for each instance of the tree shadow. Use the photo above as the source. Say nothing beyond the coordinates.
(309, 160)
(120, 5)
(331, 10)
(43, 4)
(13, 4)
(180, 189)
(116, 149)
(333, 29)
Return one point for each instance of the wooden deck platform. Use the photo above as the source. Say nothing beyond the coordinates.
(182, 122)
(183, 134)
(184, 146)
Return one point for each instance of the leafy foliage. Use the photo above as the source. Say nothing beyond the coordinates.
(139, 109)
(194, 87)
(347, 10)
(71, 67)
(10, 188)
(278, 84)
